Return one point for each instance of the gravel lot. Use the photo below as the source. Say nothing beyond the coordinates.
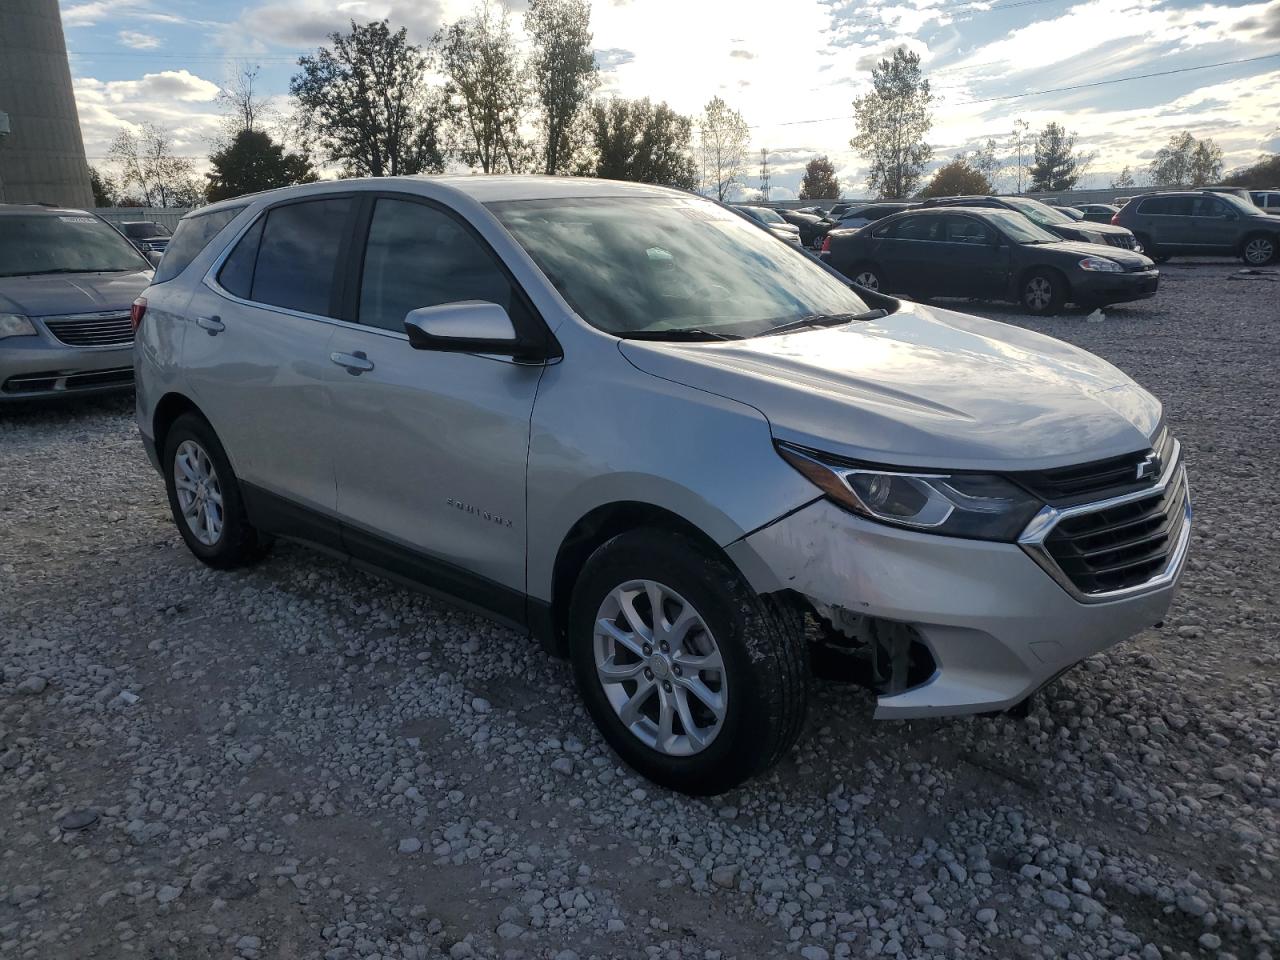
(302, 761)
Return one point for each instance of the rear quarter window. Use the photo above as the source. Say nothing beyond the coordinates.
(192, 236)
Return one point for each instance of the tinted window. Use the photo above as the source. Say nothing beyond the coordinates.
(418, 256)
(967, 230)
(918, 228)
(193, 234)
(32, 244)
(298, 255)
(236, 275)
(1208, 207)
(1166, 206)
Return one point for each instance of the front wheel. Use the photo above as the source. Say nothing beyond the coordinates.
(697, 682)
(1043, 292)
(1258, 251)
(866, 275)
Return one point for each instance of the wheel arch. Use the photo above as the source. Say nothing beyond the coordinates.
(1026, 272)
(1271, 235)
(170, 407)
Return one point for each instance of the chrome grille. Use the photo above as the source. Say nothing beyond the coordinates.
(1064, 486)
(1125, 543)
(1125, 240)
(105, 330)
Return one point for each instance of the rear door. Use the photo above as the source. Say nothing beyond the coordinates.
(432, 446)
(257, 353)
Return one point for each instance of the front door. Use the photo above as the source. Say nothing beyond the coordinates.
(257, 354)
(971, 263)
(1216, 223)
(432, 447)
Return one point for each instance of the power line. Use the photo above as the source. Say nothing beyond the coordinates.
(1040, 93)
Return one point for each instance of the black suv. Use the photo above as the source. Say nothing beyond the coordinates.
(1043, 215)
(1199, 222)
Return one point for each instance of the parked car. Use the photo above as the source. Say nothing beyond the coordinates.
(1199, 223)
(1267, 200)
(771, 221)
(67, 283)
(991, 254)
(812, 227)
(838, 209)
(147, 235)
(1049, 218)
(1072, 212)
(860, 216)
(1099, 212)
(623, 419)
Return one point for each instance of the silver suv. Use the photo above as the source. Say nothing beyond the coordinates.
(673, 448)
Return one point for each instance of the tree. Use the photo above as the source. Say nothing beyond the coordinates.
(819, 181)
(147, 161)
(244, 108)
(891, 124)
(723, 136)
(486, 89)
(635, 140)
(365, 101)
(104, 188)
(764, 174)
(251, 162)
(1261, 175)
(1123, 180)
(1055, 166)
(1018, 147)
(1186, 162)
(563, 69)
(985, 162)
(957, 179)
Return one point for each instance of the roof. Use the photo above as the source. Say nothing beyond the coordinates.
(29, 208)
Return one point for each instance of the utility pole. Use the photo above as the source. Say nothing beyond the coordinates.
(764, 174)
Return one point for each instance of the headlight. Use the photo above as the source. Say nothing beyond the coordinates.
(15, 325)
(978, 506)
(1101, 265)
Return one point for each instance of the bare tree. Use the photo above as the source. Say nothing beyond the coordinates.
(723, 136)
(564, 75)
(1123, 180)
(147, 161)
(487, 89)
(366, 103)
(1019, 148)
(244, 106)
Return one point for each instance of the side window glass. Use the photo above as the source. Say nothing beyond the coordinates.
(236, 275)
(298, 255)
(192, 236)
(1209, 207)
(918, 228)
(885, 230)
(966, 230)
(419, 256)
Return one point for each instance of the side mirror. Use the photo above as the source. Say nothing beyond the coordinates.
(468, 326)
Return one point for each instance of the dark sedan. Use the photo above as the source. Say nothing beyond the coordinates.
(1098, 212)
(988, 254)
(1051, 219)
(811, 226)
(770, 220)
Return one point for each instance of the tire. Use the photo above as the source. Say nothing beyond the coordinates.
(758, 645)
(1042, 292)
(193, 455)
(1258, 250)
(866, 275)
(1150, 249)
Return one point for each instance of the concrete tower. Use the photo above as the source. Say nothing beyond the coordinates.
(42, 158)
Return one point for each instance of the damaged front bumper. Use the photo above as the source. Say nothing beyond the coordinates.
(995, 624)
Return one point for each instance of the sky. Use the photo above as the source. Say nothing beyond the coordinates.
(792, 68)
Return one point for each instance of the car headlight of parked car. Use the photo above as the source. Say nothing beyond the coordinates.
(978, 506)
(1100, 265)
(15, 325)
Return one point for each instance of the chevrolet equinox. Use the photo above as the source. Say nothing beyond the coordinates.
(675, 449)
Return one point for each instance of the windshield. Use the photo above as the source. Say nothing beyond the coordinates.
(766, 215)
(1039, 212)
(1019, 229)
(654, 264)
(63, 243)
(145, 230)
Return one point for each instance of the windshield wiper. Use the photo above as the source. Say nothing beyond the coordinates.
(826, 320)
(690, 334)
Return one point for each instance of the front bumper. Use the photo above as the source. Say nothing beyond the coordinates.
(35, 368)
(1098, 287)
(996, 624)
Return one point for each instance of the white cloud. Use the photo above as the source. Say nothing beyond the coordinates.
(92, 11)
(138, 40)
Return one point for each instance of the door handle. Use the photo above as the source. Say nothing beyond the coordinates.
(355, 363)
(213, 325)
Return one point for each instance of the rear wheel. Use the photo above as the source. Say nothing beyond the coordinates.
(697, 682)
(866, 275)
(204, 495)
(1043, 292)
(1258, 250)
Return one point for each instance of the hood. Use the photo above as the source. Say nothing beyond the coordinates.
(923, 387)
(1130, 259)
(57, 294)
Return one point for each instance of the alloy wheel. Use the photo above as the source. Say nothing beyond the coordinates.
(660, 668)
(1259, 250)
(199, 492)
(1039, 293)
(867, 279)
